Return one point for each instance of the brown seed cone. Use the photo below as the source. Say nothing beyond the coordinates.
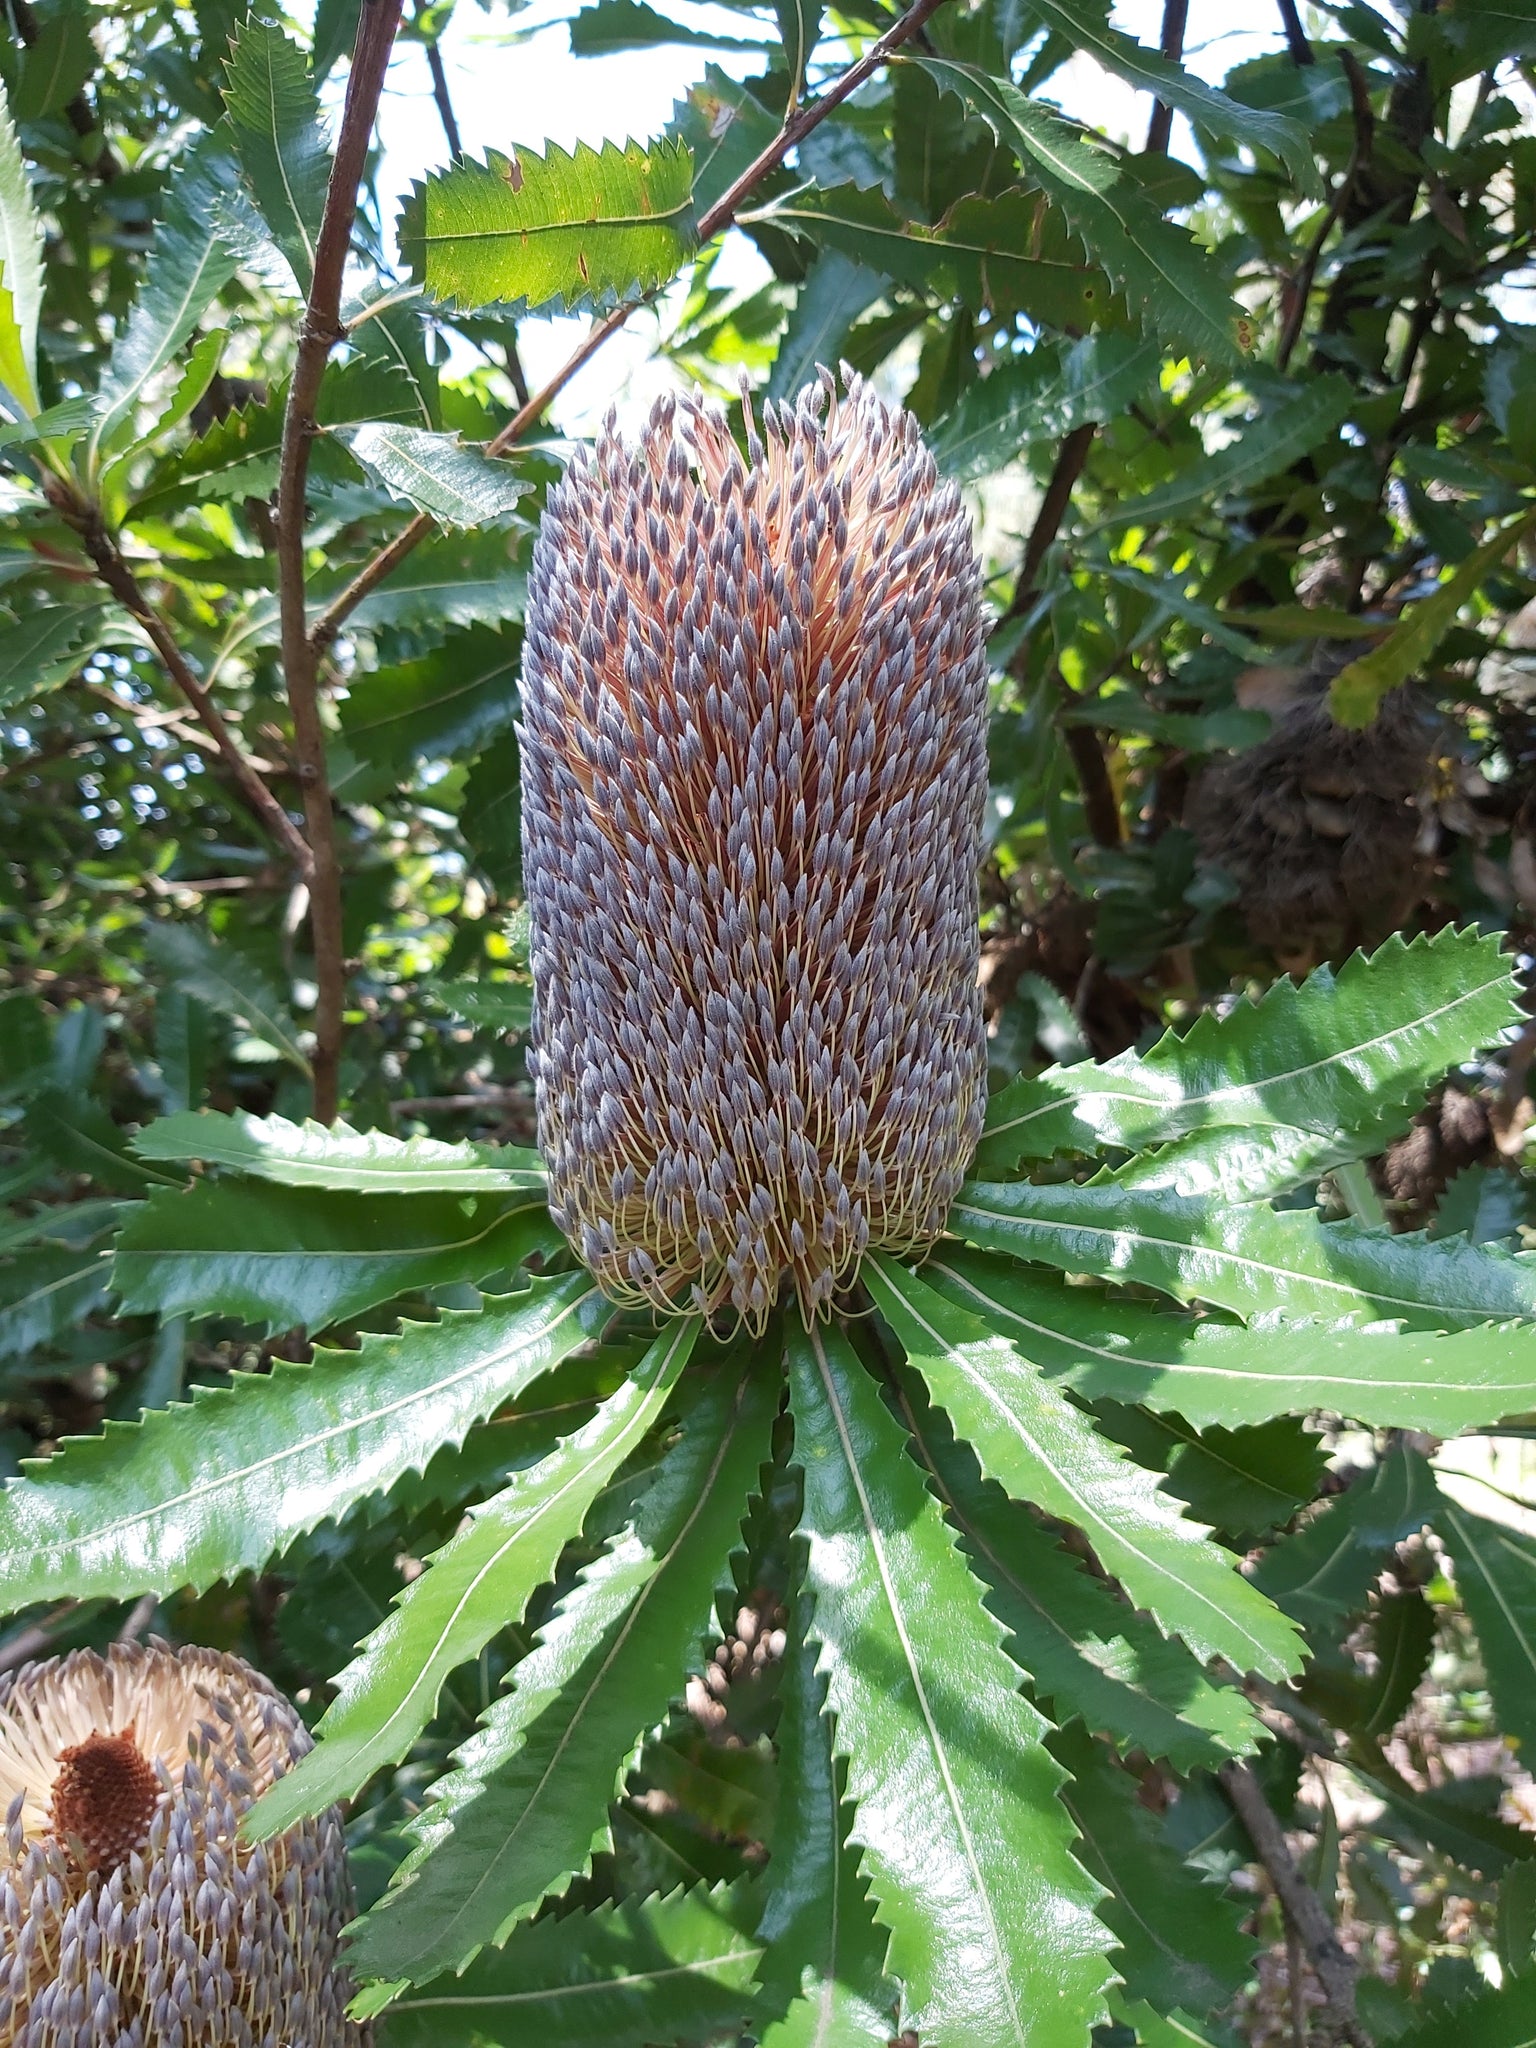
(131, 1914)
(754, 765)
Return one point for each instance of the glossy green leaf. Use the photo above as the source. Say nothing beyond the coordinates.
(1041, 397)
(488, 1005)
(46, 648)
(311, 1255)
(1086, 1652)
(491, 815)
(992, 1929)
(559, 229)
(203, 1489)
(1168, 2030)
(189, 264)
(822, 1953)
(76, 1135)
(992, 253)
(56, 64)
(1042, 1449)
(311, 1155)
(1181, 1941)
(527, 1805)
(479, 1583)
(1402, 1639)
(227, 981)
(21, 268)
(611, 25)
(1355, 694)
(275, 123)
(1327, 1569)
(1496, 1578)
(453, 579)
(1114, 1347)
(45, 1293)
(1352, 1051)
(456, 485)
(725, 127)
(1253, 1259)
(627, 1974)
(440, 707)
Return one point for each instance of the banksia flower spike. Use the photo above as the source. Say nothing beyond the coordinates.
(131, 1915)
(754, 765)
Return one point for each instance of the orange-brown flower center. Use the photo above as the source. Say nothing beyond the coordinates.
(104, 1795)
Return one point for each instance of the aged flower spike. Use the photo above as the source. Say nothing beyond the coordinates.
(754, 764)
(131, 1915)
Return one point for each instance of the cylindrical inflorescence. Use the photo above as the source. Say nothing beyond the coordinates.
(754, 767)
(131, 1913)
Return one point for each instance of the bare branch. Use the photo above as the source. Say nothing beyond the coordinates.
(1332, 1964)
(711, 223)
(1175, 20)
(321, 330)
(1295, 35)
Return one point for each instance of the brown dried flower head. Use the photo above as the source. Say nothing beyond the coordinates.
(131, 1914)
(754, 765)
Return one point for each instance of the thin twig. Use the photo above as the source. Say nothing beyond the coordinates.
(113, 569)
(711, 223)
(1160, 128)
(1070, 458)
(140, 1615)
(1332, 1964)
(37, 1635)
(1295, 35)
(319, 334)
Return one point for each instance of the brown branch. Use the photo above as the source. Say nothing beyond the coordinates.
(1070, 459)
(114, 571)
(441, 95)
(711, 223)
(319, 334)
(1101, 809)
(1295, 35)
(1332, 1964)
(1160, 128)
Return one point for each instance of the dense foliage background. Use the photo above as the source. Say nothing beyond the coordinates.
(1252, 432)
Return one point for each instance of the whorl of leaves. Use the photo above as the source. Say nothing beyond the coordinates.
(754, 761)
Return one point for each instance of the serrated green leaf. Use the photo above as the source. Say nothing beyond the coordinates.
(1163, 272)
(442, 705)
(626, 1974)
(562, 229)
(488, 1005)
(311, 1155)
(275, 122)
(1168, 2030)
(1355, 694)
(1037, 133)
(479, 1583)
(1294, 425)
(1252, 1259)
(1495, 2019)
(1113, 1347)
(21, 268)
(312, 1256)
(1085, 25)
(437, 473)
(527, 1805)
(227, 981)
(45, 648)
(64, 422)
(1516, 1945)
(834, 294)
(45, 1293)
(976, 253)
(1041, 397)
(491, 815)
(822, 1954)
(799, 32)
(726, 128)
(1042, 1449)
(76, 1135)
(189, 264)
(56, 64)
(1327, 1569)
(453, 579)
(1496, 1578)
(203, 1489)
(966, 1864)
(1353, 1051)
(1402, 1638)
(1085, 1651)
(1181, 1941)
(1484, 1203)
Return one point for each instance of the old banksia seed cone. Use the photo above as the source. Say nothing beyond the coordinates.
(131, 1915)
(754, 763)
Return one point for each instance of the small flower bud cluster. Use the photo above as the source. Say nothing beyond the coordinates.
(754, 765)
(131, 1914)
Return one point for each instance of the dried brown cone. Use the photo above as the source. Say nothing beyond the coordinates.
(754, 765)
(131, 1914)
